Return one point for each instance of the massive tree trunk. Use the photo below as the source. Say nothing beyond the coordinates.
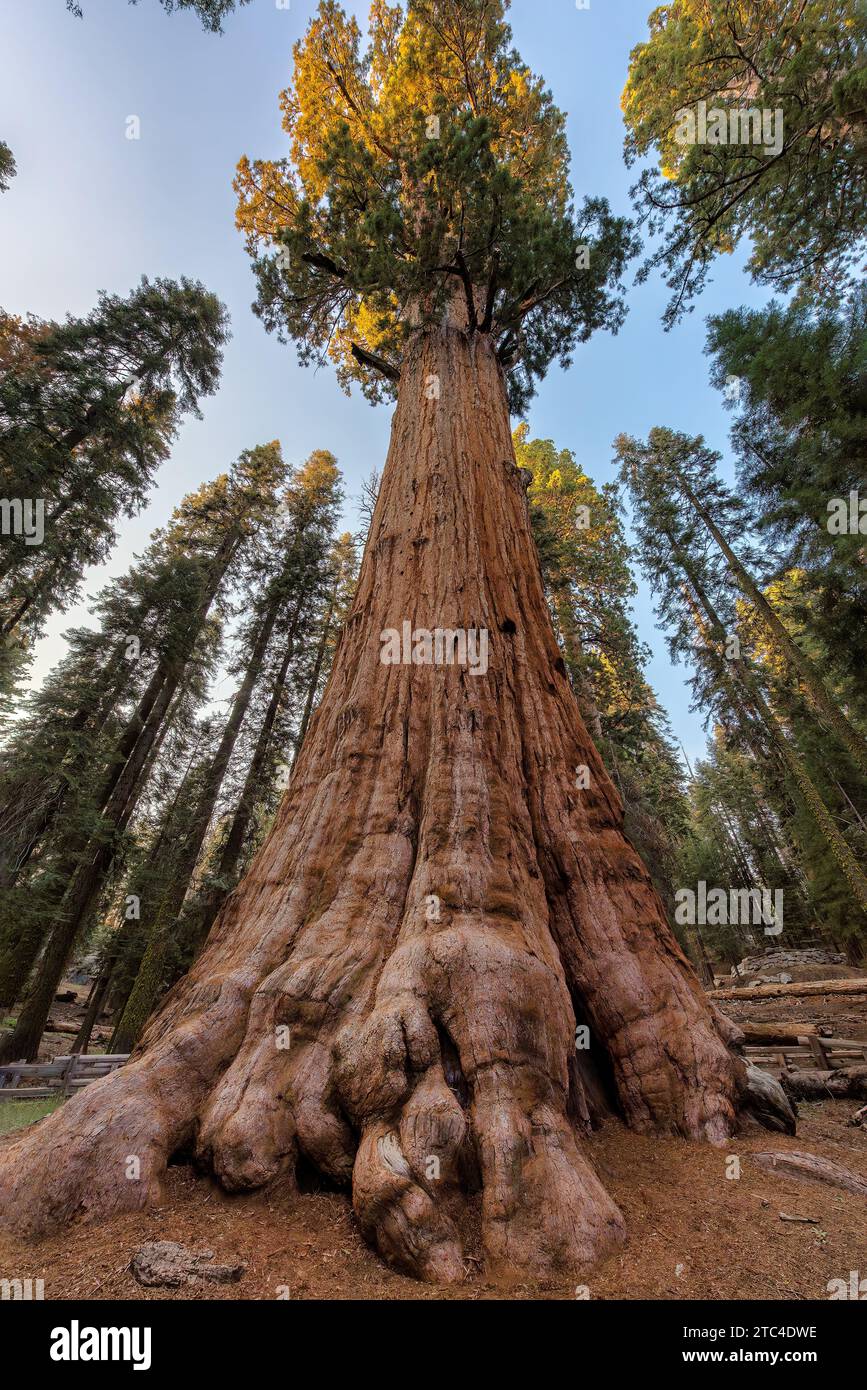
(392, 990)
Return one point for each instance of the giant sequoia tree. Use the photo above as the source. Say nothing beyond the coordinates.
(393, 989)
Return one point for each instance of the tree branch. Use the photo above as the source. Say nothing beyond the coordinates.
(324, 263)
(379, 364)
(488, 318)
(464, 273)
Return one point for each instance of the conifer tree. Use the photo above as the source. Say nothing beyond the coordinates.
(698, 604)
(278, 602)
(202, 543)
(210, 12)
(7, 166)
(796, 381)
(689, 467)
(783, 162)
(88, 410)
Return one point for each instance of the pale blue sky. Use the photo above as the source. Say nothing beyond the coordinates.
(92, 210)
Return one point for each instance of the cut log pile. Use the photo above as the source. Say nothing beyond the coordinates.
(786, 959)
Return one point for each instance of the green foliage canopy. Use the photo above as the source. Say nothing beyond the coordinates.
(427, 176)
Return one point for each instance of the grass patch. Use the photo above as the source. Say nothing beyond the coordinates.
(16, 1114)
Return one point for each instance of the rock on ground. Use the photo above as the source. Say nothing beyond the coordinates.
(164, 1263)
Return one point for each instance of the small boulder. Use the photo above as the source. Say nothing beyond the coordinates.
(163, 1263)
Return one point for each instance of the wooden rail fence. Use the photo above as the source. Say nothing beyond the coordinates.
(63, 1076)
(810, 1053)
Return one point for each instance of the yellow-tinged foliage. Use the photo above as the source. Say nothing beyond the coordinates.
(426, 175)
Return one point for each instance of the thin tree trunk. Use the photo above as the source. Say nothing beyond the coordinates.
(253, 787)
(705, 966)
(84, 878)
(314, 680)
(150, 980)
(122, 789)
(740, 854)
(94, 1005)
(69, 773)
(393, 981)
(785, 747)
(132, 936)
(10, 623)
(574, 651)
(75, 909)
(815, 686)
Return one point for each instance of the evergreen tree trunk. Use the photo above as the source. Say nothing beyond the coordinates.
(86, 866)
(26, 600)
(254, 786)
(814, 685)
(78, 902)
(19, 950)
(574, 651)
(94, 1005)
(18, 954)
(709, 623)
(150, 979)
(70, 772)
(131, 940)
(705, 966)
(314, 680)
(84, 877)
(392, 989)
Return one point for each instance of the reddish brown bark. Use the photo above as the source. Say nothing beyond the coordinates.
(414, 1039)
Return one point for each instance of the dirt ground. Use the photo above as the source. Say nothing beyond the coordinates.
(693, 1232)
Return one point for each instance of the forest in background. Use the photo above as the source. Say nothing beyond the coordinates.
(129, 808)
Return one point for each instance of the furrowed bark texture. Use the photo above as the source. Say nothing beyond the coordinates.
(436, 903)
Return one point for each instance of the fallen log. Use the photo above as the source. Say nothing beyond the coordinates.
(810, 1168)
(52, 1027)
(778, 1032)
(844, 1083)
(805, 987)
